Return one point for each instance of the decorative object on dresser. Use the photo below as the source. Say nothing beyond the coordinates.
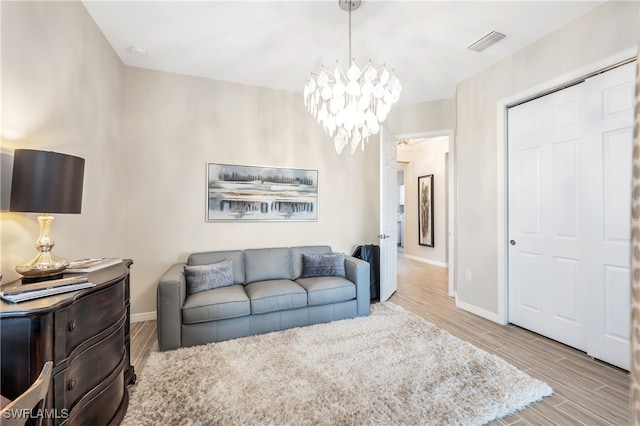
(86, 335)
(89, 265)
(45, 182)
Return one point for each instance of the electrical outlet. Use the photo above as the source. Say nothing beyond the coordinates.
(467, 275)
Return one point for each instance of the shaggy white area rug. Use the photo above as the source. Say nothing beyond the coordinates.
(392, 367)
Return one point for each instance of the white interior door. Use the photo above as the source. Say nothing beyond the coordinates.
(545, 262)
(569, 214)
(388, 214)
(610, 104)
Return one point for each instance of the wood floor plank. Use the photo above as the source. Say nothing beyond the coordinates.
(600, 371)
(135, 328)
(549, 412)
(588, 400)
(514, 419)
(141, 344)
(584, 416)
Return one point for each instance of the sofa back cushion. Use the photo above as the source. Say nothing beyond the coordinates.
(267, 264)
(235, 256)
(296, 257)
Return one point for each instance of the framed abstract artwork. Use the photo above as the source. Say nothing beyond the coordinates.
(251, 193)
(425, 210)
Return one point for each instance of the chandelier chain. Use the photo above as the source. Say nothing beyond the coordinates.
(350, 57)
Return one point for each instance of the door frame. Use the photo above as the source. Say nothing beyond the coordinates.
(453, 197)
(502, 172)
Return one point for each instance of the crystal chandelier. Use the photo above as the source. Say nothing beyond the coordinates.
(351, 105)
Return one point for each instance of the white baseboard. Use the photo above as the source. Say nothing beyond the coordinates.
(144, 316)
(491, 316)
(429, 261)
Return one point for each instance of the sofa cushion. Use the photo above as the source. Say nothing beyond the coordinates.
(235, 256)
(324, 290)
(296, 257)
(275, 295)
(205, 277)
(323, 265)
(267, 264)
(216, 304)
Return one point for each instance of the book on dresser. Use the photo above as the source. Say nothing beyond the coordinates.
(89, 265)
(22, 292)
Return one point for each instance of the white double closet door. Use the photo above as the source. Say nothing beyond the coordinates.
(570, 161)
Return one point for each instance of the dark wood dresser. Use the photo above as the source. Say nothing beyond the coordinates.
(86, 335)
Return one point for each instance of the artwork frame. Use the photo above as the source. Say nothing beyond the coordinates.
(260, 193)
(425, 211)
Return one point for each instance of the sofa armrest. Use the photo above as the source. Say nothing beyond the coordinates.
(172, 290)
(357, 271)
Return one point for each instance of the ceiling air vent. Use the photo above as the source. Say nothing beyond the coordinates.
(485, 41)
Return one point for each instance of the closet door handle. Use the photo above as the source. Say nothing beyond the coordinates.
(512, 242)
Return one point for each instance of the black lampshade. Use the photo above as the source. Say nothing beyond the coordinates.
(46, 182)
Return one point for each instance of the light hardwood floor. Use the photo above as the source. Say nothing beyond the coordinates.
(586, 391)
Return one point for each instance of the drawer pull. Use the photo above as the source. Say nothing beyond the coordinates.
(73, 325)
(72, 384)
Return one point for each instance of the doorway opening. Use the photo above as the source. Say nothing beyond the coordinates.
(419, 155)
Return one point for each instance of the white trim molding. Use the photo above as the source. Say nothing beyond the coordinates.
(144, 316)
(491, 316)
(429, 261)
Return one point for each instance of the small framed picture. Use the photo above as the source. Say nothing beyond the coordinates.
(425, 210)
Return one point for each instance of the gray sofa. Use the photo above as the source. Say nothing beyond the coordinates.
(269, 292)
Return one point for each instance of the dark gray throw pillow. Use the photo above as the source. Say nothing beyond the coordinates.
(323, 265)
(205, 277)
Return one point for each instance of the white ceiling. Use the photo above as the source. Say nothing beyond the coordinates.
(277, 44)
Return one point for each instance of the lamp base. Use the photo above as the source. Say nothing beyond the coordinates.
(43, 265)
(46, 263)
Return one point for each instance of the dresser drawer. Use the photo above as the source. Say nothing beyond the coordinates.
(105, 405)
(87, 317)
(89, 368)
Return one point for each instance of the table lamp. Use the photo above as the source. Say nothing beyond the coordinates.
(45, 182)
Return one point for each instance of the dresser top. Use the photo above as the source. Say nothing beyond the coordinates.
(101, 278)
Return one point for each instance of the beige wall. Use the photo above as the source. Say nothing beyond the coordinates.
(62, 91)
(606, 31)
(175, 124)
(146, 137)
(425, 159)
(423, 117)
